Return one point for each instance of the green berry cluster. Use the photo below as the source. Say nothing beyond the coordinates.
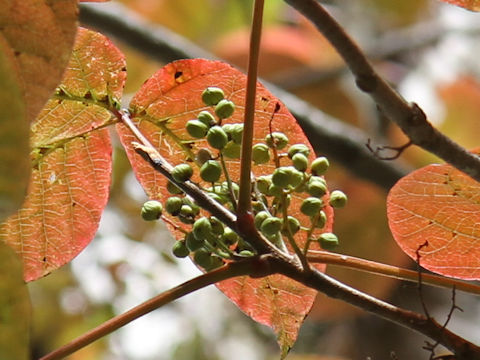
(206, 239)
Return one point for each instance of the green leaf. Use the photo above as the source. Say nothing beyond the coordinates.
(15, 308)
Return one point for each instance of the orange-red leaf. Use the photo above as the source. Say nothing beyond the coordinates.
(71, 158)
(36, 38)
(473, 5)
(161, 109)
(439, 205)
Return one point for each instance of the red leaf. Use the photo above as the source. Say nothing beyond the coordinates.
(161, 109)
(439, 205)
(71, 159)
(36, 38)
(473, 5)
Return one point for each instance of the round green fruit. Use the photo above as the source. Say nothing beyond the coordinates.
(260, 153)
(211, 171)
(237, 133)
(202, 228)
(216, 137)
(206, 117)
(328, 241)
(217, 226)
(193, 244)
(260, 218)
(203, 155)
(232, 150)
(229, 237)
(202, 257)
(263, 183)
(212, 95)
(271, 226)
(293, 224)
(316, 188)
(338, 199)
(300, 161)
(311, 206)
(281, 177)
(180, 249)
(224, 109)
(276, 139)
(151, 210)
(298, 148)
(182, 172)
(173, 205)
(320, 166)
(196, 129)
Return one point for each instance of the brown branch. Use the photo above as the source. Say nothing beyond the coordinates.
(228, 271)
(244, 198)
(408, 116)
(376, 268)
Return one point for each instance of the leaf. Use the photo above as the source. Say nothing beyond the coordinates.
(161, 109)
(473, 5)
(14, 148)
(36, 38)
(71, 159)
(15, 308)
(439, 205)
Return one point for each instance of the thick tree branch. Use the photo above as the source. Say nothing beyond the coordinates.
(409, 117)
(339, 141)
(239, 268)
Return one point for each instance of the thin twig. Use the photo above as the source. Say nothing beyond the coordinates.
(395, 272)
(408, 116)
(226, 272)
(244, 198)
(329, 136)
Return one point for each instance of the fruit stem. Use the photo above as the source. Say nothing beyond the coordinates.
(376, 268)
(244, 201)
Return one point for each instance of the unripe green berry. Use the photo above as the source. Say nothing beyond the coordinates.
(193, 244)
(316, 188)
(311, 206)
(217, 226)
(186, 214)
(229, 237)
(276, 139)
(293, 224)
(196, 128)
(224, 109)
(182, 172)
(338, 199)
(258, 206)
(173, 189)
(232, 150)
(211, 171)
(173, 205)
(260, 218)
(300, 161)
(260, 153)
(195, 208)
(321, 220)
(296, 177)
(281, 177)
(215, 262)
(237, 133)
(317, 179)
(180, 249)
(218, 198)
(203, 155)
(274, 190)
(271, 226)
(202, 257)
(151, 210)
(202, 228)
(206, 117)
(212, 95)
(298, 148)
(328, 241)
(263, 183)
(216, 137)
(224, 188)
(320, 165)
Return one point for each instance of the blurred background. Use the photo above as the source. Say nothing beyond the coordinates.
(427, 50)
